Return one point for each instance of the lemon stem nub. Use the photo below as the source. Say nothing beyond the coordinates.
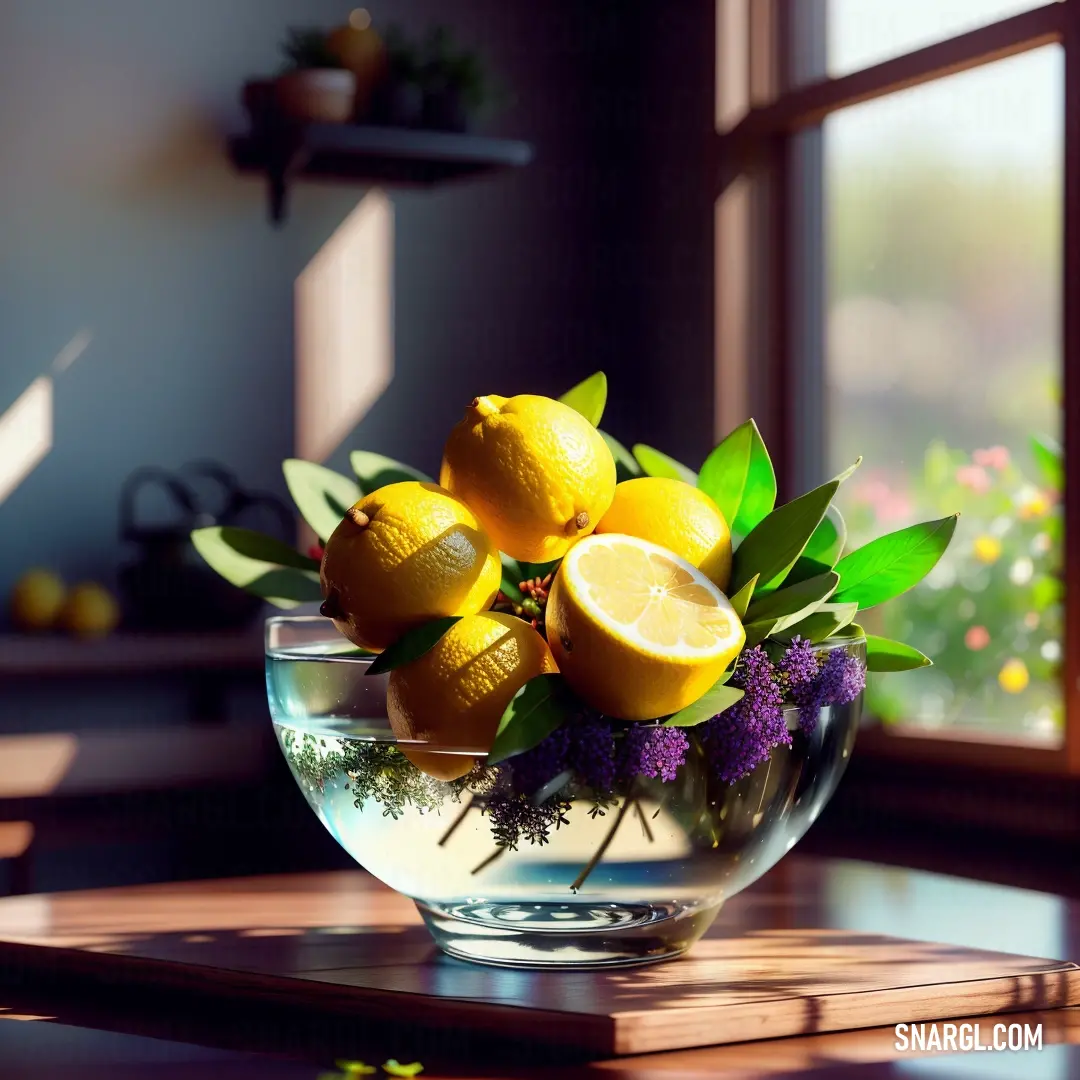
(330, 609)
(484, 406)
(357, 517)
(582, 520)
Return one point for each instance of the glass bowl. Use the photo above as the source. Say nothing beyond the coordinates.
(641, 879)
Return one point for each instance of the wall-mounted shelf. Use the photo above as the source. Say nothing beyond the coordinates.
(360, 154)
(56, 657)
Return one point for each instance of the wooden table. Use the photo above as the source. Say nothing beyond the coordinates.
(117, 1032)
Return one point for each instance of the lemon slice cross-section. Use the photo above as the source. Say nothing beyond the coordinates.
(637, 631)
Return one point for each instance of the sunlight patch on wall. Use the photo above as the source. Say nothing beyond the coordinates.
(344, 328)
(26, 434)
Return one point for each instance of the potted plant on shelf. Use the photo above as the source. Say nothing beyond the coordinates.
(398, 101)
(315, 86)
(457, 86)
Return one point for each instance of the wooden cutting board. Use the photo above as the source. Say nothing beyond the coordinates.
(343, 944)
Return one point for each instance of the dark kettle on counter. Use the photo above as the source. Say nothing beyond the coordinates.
(168, 586)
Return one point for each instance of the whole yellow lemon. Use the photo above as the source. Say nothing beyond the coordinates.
(403, 555)
(537, 474)
(636, 631)
(676, 516)
(89, 611)
(36, 600)
(455, 694)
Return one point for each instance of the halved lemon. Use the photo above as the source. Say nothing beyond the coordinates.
(637, 631)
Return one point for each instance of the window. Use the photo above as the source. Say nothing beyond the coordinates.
(896, 182)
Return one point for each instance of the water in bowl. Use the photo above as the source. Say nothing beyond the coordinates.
(638, 879)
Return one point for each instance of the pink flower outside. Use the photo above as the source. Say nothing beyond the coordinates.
(974, 477)
(994, 457)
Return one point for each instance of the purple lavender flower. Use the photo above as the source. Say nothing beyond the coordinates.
(800, 665)
(841, 680)
(534, 768)
(652, 751)
(514, 816)
(592, 753)
(742, 737)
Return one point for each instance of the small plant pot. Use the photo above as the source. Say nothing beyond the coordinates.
(444, 110)
(326, 95)
(398, 103)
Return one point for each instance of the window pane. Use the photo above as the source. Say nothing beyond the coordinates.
(865, 32)
(943, 361)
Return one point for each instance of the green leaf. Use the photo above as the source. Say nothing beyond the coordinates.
(827, 620)
(773, 545)
(757, 632)
(738, 476)
(828, 539)
(715, 700)
(394, 1068)
(511, 577)
(260, 564)
(822, 549)
(848, 472)
(657, 464)
(1050, 459)
(412, 645)
(883, 654)
(892, 564)
(543, 704)
(626, 466)
(375, 471)
(588, 398)
(741, 600)
(321, 495)
(791, 604)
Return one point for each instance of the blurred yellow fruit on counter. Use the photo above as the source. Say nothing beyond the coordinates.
(36, 600)
(90, 611)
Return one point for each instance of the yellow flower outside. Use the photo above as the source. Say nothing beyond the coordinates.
(987, 549)
(1013, 677)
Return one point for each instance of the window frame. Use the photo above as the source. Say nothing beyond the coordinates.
(771, 98)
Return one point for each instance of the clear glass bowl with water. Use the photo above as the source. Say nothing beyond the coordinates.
(641, 881)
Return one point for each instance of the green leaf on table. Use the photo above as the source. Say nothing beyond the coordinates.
(793, 603)
(655, 463)
(738, 476)
(741, 600)
(374, 471)
(773, 545)
(395, 1068)
(259, 564)
(543, 704)
(715, 700)
(892, 564)
(321, 495)
(1050, 459)
(411, 645)
(883, 654)
(626, 466)
(822, 623)
(588, 398)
